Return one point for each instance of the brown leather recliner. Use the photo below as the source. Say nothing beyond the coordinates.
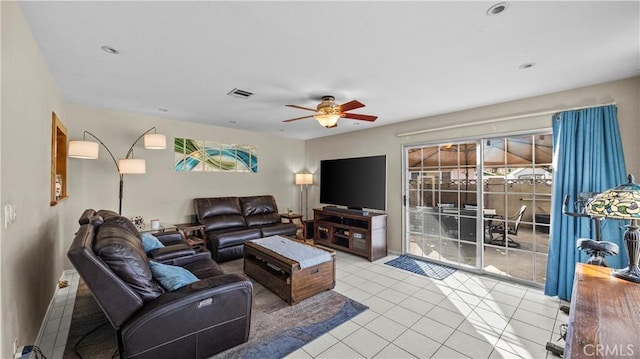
(230, 221)
(195, 321)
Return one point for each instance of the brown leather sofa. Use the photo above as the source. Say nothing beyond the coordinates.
(195, 321)
(230, 221)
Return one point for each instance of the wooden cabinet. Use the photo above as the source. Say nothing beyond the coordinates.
(363, 235)
(604, 319)
(58, 160)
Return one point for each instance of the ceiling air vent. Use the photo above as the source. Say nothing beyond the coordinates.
(239, 93)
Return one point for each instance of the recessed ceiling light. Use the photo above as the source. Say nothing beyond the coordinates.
(498, 8)
(110, 50)
(528, 65)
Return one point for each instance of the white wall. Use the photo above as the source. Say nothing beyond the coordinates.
(32, 249)
(383, 140)
(1, 217)
(163, 193)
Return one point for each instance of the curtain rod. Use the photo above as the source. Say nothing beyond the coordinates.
(493, 120)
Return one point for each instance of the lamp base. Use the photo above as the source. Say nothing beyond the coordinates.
(632, 241)
(631, 273)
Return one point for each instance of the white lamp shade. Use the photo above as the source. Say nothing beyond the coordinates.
(83, 149)
(132, 166)
(155, 141)
(327, 120)
(304, 178)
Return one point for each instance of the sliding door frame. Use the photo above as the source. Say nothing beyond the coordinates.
(480, 220)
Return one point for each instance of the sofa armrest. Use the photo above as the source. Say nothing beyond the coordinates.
(169, 237)
(203, 288)
(168, 253)
(216, 311)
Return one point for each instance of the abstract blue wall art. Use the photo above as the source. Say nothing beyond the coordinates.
(205, 156)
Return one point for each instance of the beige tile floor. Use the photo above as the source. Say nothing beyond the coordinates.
(409, 316)
(526, 263)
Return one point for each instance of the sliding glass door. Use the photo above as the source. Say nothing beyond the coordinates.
(441, 203)
(517, 187)
(482, 205)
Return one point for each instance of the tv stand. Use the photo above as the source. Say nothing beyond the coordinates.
(351, 231)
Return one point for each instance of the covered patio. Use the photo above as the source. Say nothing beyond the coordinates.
(510, 174)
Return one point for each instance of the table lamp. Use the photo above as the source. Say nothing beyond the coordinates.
(622, 202)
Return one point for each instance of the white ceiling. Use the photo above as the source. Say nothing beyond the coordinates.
(403, 60)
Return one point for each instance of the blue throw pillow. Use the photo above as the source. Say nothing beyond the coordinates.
(150, 242)
(171, 277)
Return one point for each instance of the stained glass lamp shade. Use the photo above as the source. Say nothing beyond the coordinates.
(622, 202)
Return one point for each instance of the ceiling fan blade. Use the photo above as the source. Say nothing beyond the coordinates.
(302, 108)
(351, 105)
(297, 118)
(356, 116)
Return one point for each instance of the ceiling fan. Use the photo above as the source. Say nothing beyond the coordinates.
(328, 112)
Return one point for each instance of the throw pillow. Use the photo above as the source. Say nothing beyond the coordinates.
(150, 242)
(171, 277)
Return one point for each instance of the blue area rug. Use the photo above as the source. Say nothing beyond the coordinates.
(428, 269)
(289, 329)
(278, 329)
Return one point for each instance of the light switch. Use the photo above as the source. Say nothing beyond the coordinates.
(7, 215)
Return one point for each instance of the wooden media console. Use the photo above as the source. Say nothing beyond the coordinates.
(356, 233)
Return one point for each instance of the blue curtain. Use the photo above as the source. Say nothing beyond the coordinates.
(588, 157)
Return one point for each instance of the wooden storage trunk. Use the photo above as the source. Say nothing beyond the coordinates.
(284, 276)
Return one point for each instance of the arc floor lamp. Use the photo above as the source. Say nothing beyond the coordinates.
(128, 165)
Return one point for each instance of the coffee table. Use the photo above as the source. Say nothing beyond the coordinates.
(291, 269)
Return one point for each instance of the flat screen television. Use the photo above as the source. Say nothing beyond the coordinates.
(354, 182)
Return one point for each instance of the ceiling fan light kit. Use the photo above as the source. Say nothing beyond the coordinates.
(328, 104)
(328, 112)
(327, 120)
